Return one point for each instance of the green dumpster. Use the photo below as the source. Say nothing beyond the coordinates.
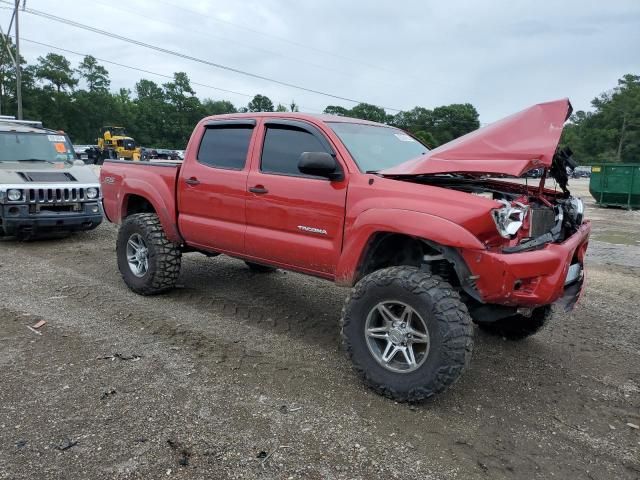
(616, 184)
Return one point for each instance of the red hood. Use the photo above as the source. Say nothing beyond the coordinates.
(511, 146)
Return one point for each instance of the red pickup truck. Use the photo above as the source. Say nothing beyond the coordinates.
(430, 241)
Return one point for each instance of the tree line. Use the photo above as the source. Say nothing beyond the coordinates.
(79, 101)
(611, 131)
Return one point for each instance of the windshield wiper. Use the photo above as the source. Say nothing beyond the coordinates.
(372, 171)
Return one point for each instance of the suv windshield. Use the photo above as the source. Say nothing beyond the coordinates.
(16, 146)
(375, 147)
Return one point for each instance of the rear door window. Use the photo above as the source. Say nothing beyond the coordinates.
(225, 147)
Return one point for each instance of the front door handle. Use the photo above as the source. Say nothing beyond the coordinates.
(258, 189)
(192, 181)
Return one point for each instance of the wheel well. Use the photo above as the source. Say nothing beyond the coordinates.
(137, 204)
(386, 249)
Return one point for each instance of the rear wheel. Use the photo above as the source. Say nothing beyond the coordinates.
(148, 261)
(407, 333)
(519, 327)
(257, 268)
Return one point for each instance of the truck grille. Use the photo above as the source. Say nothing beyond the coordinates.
(542, 220)
(55, 195)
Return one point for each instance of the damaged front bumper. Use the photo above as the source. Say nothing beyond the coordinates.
(553, 272)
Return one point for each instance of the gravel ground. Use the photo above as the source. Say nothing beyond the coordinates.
(236, 375)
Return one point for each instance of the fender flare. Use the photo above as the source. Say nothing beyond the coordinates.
(156, 195)
(407, 222)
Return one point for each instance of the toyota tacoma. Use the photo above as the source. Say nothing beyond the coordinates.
(430, 241)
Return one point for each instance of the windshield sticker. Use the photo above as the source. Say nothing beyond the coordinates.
(56, 138)
(60, 147)
(403, 137)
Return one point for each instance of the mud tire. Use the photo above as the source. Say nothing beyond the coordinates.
(165, 257)
(448, 321)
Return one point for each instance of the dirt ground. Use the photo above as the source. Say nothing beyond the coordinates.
(236, 375)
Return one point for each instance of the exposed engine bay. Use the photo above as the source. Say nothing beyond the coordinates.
(530, 216)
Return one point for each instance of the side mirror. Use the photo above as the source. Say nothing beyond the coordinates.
(320, 164)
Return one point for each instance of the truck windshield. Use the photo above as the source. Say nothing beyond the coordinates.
(15, 146)
(375, 147)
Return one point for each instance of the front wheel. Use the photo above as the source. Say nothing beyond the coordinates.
(148, 262)
(407, 333)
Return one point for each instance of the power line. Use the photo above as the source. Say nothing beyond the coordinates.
(141, 69)
(65, 21)
(277, 37)
(210, 35)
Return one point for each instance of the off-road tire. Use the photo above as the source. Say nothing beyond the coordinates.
(165, 257)
(519, 327)
(257, 268)
(448, 321)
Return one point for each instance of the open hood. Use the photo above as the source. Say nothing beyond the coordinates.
(511, 146)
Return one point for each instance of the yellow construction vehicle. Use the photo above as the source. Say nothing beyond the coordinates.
(115, 143)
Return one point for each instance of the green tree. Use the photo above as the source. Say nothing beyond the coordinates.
(56, 70)
(453, 121)
(218, 107)
(151, 109)
(440, 125)
(260, 103)
(8, 84)
(611, 132)
(7, 74)
(415, 120)
(186, 112)
(426, 138)
(337, 110)
(294, 106)
(149, 90)
(366, 111)
(94, 74)
(179, 91)
(281, 108)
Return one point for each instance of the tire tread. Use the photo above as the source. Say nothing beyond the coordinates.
(451, 313)
(167, 254)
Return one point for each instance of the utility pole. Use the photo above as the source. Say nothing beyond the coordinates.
(17, 60)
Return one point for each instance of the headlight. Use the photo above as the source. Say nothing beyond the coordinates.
(92, 192)
(13, 194)
(509, 218)
(577, 208)
(573, 211)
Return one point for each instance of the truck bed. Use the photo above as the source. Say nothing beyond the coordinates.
(154, 181)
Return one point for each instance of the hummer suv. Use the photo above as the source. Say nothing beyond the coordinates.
(43, 188)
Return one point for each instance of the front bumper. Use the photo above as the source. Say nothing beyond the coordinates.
(534, 278)
(17, 219)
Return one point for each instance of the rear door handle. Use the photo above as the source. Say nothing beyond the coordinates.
(192, 181)
(258, 189)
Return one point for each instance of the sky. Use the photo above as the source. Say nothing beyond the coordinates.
(499, 55)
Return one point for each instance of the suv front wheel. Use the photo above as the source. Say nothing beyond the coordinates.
(407, 333)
